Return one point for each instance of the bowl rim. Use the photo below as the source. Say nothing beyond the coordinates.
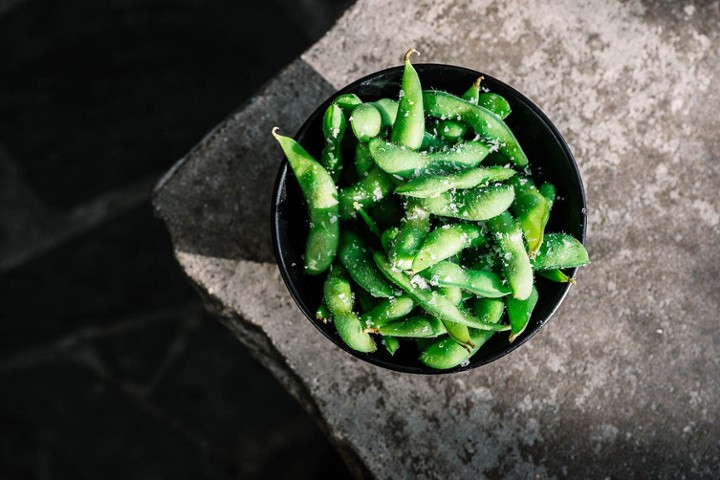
(290, 284)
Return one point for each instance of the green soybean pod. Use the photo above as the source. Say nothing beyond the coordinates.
(347, 101)
(388, 111)
(388, 310)
(391, 344)
(489, 310)
(357, 259)
(334, 125)
(514, 257)
(495, 103)
(451, 130)
(484, 122)
(366, 122)
(532, 212)
(339, 299)
(547, 190)
(368, 191)
(387, 238)
(480, 283)
(410, 237)
(433, 185)
(473, 93)
(323, 313)
(321, 196)
(409, 126)
(555, 275)
(446, 241)
(519, 312)
(432, 302)
(446, 353)
(419, 326)
(452, 293)
(476, 204)
(363, 160)
(560, 250)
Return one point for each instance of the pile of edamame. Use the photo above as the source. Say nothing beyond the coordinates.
(417, 241)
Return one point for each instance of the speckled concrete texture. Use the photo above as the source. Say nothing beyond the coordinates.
(624, 381)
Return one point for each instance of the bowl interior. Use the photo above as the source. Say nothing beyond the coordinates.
(550, 160)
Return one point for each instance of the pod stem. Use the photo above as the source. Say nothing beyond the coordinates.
(275, 133)
(478, 81)
(371, 330)
(406, 58)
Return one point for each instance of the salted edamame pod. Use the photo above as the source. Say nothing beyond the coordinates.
(369, 190)
(410, 237)
(366, 122)
(481, 283)
(519, 312)
(451, 130)
(514, 257)
(357, 259)
(432, 185)
(495, 103)
(560, 250)
(363, 160)
(405, 163)
(339, 299)
(532, 212)
(388, 310)
(347, 101)
(446, 241)
(409, 126)
(431, 301)
(476, 204)
(334, 125)
(484, 122)
(321, 196)
(419, 326)
(388, 111)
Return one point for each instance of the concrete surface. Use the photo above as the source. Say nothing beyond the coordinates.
(624, 381)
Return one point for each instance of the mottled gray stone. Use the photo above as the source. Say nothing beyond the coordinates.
(623, 382)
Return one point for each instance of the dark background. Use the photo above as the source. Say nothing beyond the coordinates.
(109, 366)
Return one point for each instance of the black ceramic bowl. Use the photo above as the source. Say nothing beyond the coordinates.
(550, 160)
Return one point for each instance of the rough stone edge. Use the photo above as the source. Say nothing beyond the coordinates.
(260, 347)
(252, 336)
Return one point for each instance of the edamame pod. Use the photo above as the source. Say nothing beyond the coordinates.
(485, 123)
(388, 310)
(419, 326)
(532, 212)
(366, 122)
(347, 101)
(322, 198)
(489, 310)
(334, 131)
(446, 353)
(514, 257)
(476, 204)
(555, 275)
(405, 163)
(391, 344)
(482, 284)
(363, 160)
(409, 125)
(368, 191)
(432, 185)
(452, 293)
(547, 190)
(387, 238)
(431, 301)
(472, 93)
(388, 111)
(451, 130)
(560, 250)
(519, 312)
(410, 238)
(446, 241)
(357, 260)
(495, 103)
(339, 299)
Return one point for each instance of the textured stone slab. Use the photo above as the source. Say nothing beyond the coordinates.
(624, 381)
